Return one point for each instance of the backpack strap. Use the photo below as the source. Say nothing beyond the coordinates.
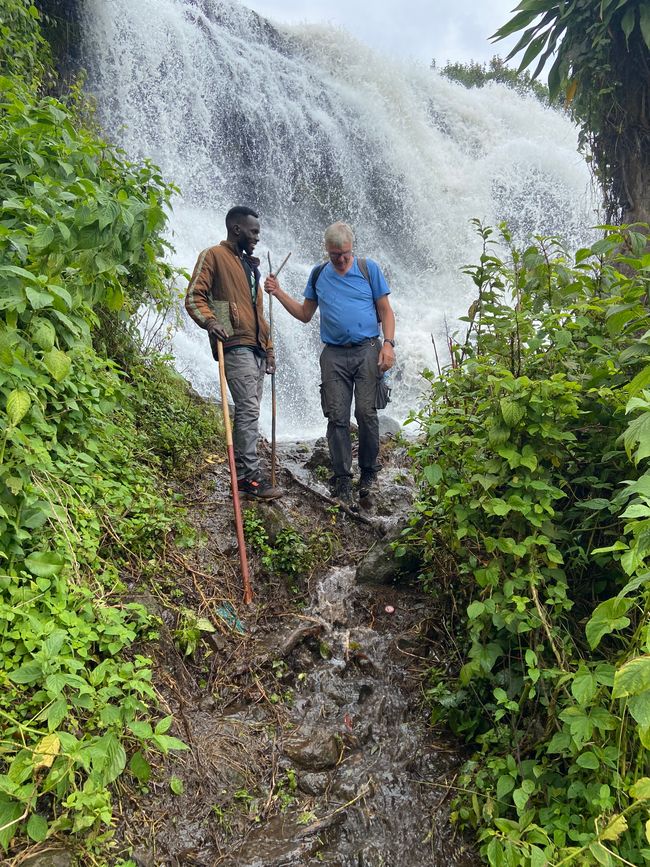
(363, 267)
(313, 277)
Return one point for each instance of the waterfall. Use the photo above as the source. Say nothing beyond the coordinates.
(308, 126)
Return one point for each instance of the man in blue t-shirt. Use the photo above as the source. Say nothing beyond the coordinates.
(354, 357)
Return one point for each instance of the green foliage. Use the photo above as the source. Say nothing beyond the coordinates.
(24, 53)
(601, 51)
(474, 74)
(289, 555)
(81, 501)
(524, 465)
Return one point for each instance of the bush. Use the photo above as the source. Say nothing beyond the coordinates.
(525, 448)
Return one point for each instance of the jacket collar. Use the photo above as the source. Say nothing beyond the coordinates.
(253, 261)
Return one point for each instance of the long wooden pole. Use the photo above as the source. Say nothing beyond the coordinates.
(239, 527)
(273, 405)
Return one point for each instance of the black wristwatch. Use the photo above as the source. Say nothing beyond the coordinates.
(389, 340)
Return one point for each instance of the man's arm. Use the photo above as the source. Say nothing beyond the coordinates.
(301, 311)
(385, 313)
(198, 294)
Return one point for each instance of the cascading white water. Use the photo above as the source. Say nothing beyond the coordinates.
(309, 126)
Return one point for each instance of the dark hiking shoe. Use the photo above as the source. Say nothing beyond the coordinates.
(366, 483)
(343, 493)
(258, 489)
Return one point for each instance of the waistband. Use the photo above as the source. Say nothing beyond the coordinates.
(352, 345)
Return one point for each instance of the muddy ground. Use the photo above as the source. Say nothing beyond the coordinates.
(304, 711)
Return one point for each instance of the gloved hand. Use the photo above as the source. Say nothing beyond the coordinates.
(214, 327)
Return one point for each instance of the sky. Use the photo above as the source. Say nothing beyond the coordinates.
(420, 29)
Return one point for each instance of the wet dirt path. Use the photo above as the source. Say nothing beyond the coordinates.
(308, 735)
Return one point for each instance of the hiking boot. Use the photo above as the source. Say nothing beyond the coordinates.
(366, 483)
(343, 492)
(258, 489)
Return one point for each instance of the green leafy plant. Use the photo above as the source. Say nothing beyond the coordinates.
(524, 450)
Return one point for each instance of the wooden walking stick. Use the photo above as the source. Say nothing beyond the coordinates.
(273, 412)
(239, 527)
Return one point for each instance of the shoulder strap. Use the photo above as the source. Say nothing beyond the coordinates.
(363, 267)
(313, 277)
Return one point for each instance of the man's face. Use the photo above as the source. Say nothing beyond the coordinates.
(340, 257)
(248, 234)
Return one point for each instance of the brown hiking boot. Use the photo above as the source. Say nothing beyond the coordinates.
(258, 489)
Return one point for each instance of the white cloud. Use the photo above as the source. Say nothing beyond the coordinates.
(457, 31)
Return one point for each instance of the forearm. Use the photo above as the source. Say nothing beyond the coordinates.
(388, 323)
(294, 307)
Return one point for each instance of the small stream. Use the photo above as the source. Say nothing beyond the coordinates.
(360, 744)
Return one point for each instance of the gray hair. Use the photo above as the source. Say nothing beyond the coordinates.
(338, 235)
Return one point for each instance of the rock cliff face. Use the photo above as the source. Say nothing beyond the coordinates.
(63, 31)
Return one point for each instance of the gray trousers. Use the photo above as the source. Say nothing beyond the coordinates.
(245, 373)
(344, 371)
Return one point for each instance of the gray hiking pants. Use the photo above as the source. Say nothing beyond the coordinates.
(345, 370)
(245, 373)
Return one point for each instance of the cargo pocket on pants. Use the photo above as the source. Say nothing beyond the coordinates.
(323, 400)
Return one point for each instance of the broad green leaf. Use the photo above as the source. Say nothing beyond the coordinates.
(633, 678)
(167, 743)
(30, 672)
(588, 760)
(140, 728)
(584, 686)
(18, 404)
(43, 237)
(44, 563)
(432, 474)
(177, 786)
(505, 785)
(164, 725)
(140, 767)
(512, 411)
(56, 713)
(38, 298)
(115, 757)
(639, 707)
(601, 855)
(475, 609)
(10, 810)
(37, 828)
(58, 363)
(607, 617)
(43, 333)
(520, 799)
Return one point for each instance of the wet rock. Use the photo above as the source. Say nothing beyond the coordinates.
(49, 858)
(320, 456)
(388, 426)
(312, 783)
(144, 858)
(380, 565)
(272, 517)
(314, 749)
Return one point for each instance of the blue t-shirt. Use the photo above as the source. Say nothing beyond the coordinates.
(347, 302)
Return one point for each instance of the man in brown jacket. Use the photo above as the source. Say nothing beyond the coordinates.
(224, 298)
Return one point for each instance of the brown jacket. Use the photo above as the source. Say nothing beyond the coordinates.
(219, 290)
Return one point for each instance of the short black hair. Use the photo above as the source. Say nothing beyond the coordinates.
(236, 213)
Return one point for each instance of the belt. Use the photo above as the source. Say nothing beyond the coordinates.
(352, 345)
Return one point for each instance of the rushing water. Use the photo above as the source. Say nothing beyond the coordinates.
(308, 126)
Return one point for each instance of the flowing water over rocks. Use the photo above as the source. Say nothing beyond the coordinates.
(308, 736)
